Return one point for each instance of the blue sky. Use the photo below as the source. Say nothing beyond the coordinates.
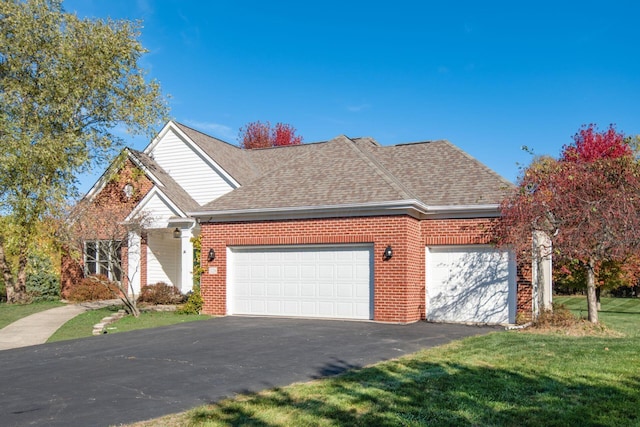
(488, 76)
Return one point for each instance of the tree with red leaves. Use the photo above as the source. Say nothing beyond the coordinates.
(587, 202)
(590, 145)
(261, 135)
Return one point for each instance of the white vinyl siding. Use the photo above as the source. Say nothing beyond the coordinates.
(196, 174)
(335, 282)
(474, 284)
(158, 211)
(163, 259)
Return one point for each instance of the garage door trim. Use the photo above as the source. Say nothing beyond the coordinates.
(510, 299)
(233, 253)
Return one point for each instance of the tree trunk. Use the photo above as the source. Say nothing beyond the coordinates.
(598, 304)
(7, 276)
(16, 289)
(592, 300)
(129, 303)
(541, 247)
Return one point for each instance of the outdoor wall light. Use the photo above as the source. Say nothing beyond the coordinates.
(212, 255)
(176, 233)
(388, 252)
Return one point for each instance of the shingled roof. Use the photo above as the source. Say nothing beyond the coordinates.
(344, 172)
(234, 160)
(166, 183)
(441, 174)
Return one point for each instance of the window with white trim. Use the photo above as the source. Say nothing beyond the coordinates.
(103, 257)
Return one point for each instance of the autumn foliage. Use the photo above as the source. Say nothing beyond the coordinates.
(590, 145)
(262, 135)
(107, 217)
(587, 202)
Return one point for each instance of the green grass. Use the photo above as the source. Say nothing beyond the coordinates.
(613, 313)
(505, 378)
(82, 326)
(9, 313)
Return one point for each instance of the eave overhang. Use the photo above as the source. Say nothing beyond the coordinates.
(414, 208)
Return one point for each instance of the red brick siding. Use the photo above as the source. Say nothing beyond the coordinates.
(399, 283)
(72, 271)
(398, 290)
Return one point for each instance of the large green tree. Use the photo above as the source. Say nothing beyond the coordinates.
(66, 84)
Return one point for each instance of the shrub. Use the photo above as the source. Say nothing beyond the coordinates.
(160, 293)
(42, 283)
(559, 317)
(94, 288)
(194, 302)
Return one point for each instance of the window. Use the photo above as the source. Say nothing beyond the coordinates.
(128, 191)
(103, 257)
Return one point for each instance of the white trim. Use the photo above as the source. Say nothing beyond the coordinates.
(465, 209)
(153, 192)
(182, 222)
(134, 260)
(185, 138)
(410, 207)
(512, 296)
(186, 259)
(102, 181)
(144, 169)
(233, 251)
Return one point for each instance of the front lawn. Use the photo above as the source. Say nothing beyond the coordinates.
(501, 379)
(9, 313)
(82, 325)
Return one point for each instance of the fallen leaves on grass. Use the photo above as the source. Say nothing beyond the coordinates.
(561, 321)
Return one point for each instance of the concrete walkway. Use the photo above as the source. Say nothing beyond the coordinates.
(37, 328)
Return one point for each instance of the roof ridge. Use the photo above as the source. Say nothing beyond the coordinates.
(163, 180)
(473, 159)
(383, 172)
(182, 126)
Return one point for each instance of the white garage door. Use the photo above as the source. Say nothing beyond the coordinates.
(304, 281)
(470, 284)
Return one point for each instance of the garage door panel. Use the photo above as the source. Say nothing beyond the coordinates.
(308, 272)
(301, 281)
(345, 291)
(274, 289)
(307, 290)
(470, 284)
(274, 272)
(326, 272)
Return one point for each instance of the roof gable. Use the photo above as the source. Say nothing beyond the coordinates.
(361, 172)
(441, 174)
(316, 174)
(164, 181)
(342, 172)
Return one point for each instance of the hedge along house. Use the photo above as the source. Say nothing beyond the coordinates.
(344, 229)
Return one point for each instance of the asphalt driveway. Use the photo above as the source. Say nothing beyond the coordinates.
(127, 377)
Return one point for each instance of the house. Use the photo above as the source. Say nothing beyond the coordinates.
(345, 229)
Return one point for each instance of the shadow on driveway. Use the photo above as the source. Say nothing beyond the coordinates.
(133, 376)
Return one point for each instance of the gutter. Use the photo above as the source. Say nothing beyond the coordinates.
(412, 207)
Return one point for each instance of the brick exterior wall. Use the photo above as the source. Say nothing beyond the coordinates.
(399, 283)
(393, 282)
(71, 272)
(116, 207)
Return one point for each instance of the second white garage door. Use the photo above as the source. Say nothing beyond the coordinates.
(301, 281)
(475, 284)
